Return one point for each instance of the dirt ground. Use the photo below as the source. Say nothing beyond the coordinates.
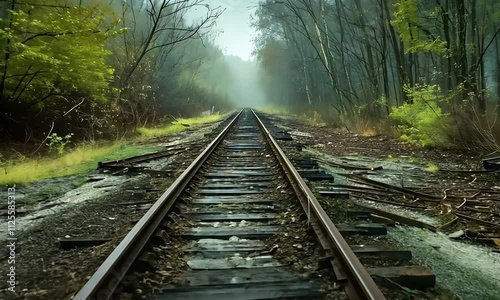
(454, 181)
(44, 270)
(462, 207)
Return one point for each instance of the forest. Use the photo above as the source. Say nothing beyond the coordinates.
(99, 69)
(425, 71)
(250, 149)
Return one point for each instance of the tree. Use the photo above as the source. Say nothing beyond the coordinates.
(55, 55)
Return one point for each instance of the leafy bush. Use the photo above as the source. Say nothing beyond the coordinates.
(422, 121)
(58, 143)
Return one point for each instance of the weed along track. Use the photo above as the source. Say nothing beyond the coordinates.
(241, 223)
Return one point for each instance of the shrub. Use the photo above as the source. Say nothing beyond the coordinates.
(58, 143)
(422, 121)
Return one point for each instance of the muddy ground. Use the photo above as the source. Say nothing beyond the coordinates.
(106, 206)
(460, 204)
(98, 205)
(455, 179)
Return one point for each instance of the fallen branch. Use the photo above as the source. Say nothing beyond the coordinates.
(406, 191)
(477, 220)
(348, 166)
(393, 203)
(398, 218)
(43, 142)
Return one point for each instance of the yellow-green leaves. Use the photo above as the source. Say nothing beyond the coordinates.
(54, 48)
(412, 25)
(422, 121)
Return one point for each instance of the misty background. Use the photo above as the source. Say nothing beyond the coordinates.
(235, 36)
(355, 64)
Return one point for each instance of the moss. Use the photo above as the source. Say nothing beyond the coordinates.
(404, 159)
(78, 181)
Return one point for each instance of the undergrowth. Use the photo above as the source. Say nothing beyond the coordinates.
(312, 118)
(422, 121)
(79, 160)
(84, 158)
(178, 126)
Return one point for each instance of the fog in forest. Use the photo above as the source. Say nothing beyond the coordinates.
(235, 36)
(98, 69)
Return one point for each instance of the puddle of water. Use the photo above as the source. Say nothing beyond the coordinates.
(234, 261)
(470, 271)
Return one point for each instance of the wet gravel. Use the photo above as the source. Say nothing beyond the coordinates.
(43, 270)
(453, 261)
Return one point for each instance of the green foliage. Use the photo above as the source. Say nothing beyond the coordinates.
(413, 29)
(58, 143)
(54, 53)
(313, 118)
(423, 122)
(78, 181)
(180, 125)
(79, 160)
(432, 168)
(383, 101)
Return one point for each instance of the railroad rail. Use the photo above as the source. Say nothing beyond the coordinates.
(237, 168)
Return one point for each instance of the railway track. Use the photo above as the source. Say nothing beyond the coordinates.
(222, 212)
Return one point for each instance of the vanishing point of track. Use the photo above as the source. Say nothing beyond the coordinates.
(243, 165)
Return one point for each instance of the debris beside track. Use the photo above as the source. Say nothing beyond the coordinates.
(457, 196)
(103, 218)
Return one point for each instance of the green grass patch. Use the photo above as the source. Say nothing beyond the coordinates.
(84, 158)
(431, 168)
(203, 119)
(80, 160)
(275, 110)
(78, 181)
(146, 133)
(405, 159)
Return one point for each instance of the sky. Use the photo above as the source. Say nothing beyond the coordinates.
(235, 33)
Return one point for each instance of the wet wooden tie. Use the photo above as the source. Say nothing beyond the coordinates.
(233, 214)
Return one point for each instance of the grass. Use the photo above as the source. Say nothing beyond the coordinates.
(275, 110)
(432, 168)
(177, 127)
(84, 158)
(147, 133)
(80, 160)
(405, 159)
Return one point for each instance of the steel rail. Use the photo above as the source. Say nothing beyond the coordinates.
(106, 280)
(361, 283)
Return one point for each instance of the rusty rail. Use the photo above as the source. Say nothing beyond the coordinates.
(360, 285)
(105, 281)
